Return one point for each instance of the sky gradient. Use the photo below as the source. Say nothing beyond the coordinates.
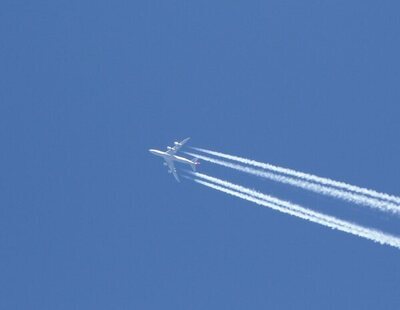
(89, 219)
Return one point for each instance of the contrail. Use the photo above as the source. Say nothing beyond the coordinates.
(305, 176)
(306, 214)
(314, 187)
(271, 199)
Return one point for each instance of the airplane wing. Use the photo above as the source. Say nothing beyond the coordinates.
(171, 169)
(177, 145)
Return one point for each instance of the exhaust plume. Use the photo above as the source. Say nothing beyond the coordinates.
(300, 212)
(305, 176)
(314, 187)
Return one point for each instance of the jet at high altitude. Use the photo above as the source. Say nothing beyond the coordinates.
(169, 157)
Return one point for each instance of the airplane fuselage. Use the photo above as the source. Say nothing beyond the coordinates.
(170, 157)
(167, 156)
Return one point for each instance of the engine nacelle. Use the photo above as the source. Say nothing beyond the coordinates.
(177, 143)
(169, 148)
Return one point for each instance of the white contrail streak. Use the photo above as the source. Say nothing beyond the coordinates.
(271, 199)
(315, 187)
(303, 213)
(305, 176)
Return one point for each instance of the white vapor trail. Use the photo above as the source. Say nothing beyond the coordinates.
(315, 187)
(298, 211)
(305, 176)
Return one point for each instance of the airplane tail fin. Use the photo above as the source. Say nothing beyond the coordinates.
(195, 163)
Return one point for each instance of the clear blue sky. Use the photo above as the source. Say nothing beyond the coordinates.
(90, 220)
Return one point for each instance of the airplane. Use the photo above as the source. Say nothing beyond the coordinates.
(169, 157)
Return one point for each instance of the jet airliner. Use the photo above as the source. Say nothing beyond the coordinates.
(170, 157)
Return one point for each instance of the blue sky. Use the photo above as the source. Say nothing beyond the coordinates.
(90, 220)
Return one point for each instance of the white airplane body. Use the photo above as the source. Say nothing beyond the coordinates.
(170, 157)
